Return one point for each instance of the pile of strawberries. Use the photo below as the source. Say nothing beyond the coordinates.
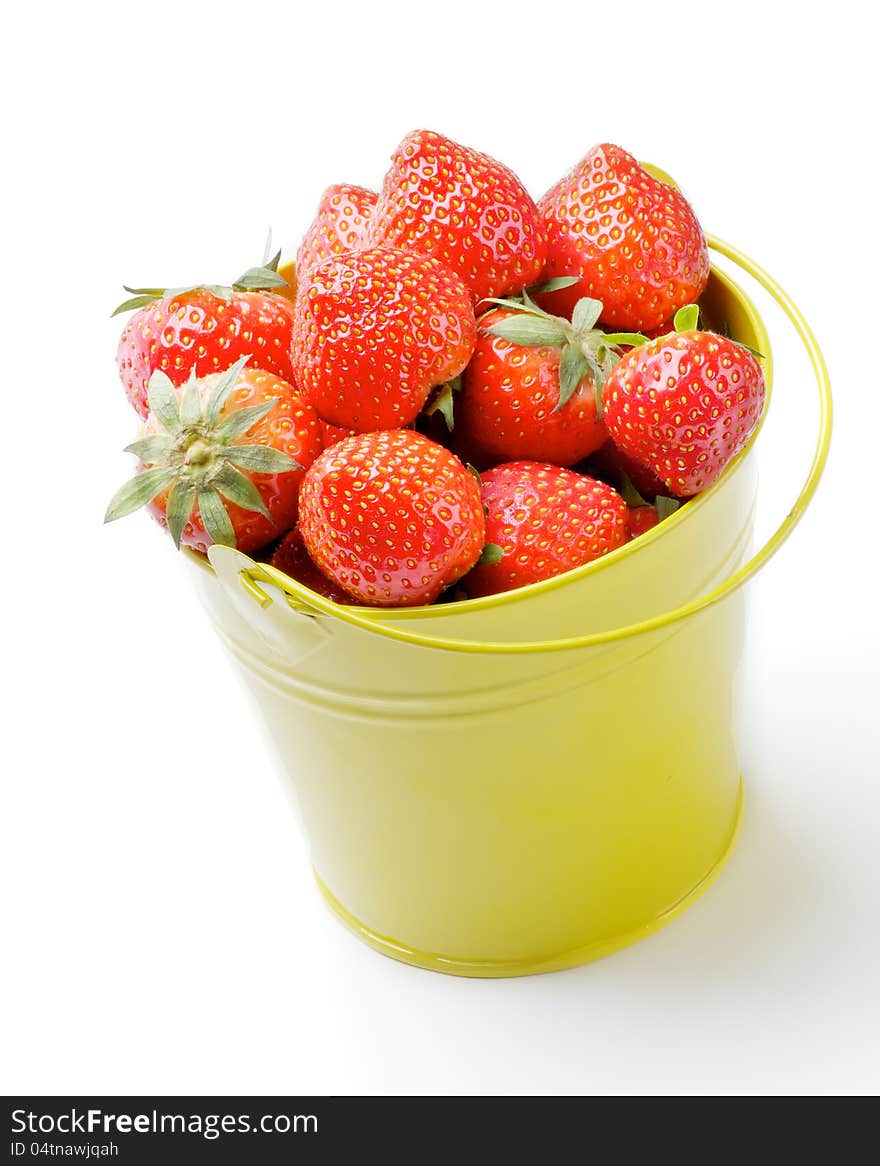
(461, 392)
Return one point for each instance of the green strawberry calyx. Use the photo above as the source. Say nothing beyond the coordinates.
(631, 496)
(629, 493)
(587, 351)
(442, 401)
(687, 319)
(264, 277)
(665, 506)
(198, 458)
(490, 555)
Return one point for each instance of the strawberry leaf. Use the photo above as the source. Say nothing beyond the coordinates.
(267, 251)
(238, 423)
(222, 390)
(138, 301)
(261, 459)
(665, 506)
(529, 331)
(491, 554)
(215, 519)
(754, 352)
(633, 339)
(443, 402)
(551, 285)
(163, 402)
(137, 492)
(220, 291)
(531, 305)
(254, 279)
(258, 279)
(629, 493)
(152, 449)
(686, 318)
(155, 292)
(179, 509)
(518, 306)
(240, 490)
(191, 403)
(586, 313)
(172, 292)
(573, 367)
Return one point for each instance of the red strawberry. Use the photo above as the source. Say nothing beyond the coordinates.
(633, 241)
(292, 558)
(465, 209)
(684, 405)
(205, 328)
(611, 463)
(392, 517)
(529, 391)
(374, 331)
(192, 458)
(658, 330)
(546, 520)
(641, 519)
(334, 433)
(341, 225)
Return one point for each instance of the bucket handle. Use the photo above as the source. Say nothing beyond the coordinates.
(305, 601)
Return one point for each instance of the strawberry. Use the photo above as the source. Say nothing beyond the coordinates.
(530, 390)
(633, 241)
(392, 517)
(333, 433)
(206, 329)
(292, 558)
(684, 405)
(641, 519)
(374, 331)
(658, 330)
(341, 225)
(611, 464)
(464, 208)
(192, 458)
(546, 520)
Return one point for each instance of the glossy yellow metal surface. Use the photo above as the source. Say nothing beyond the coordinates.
(287, 271)
(499, 969)
(521, 783)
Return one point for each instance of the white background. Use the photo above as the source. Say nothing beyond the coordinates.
(161, 928)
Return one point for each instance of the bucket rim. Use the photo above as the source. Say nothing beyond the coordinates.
(306, 602)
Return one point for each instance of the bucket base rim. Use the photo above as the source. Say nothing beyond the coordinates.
(500, 969)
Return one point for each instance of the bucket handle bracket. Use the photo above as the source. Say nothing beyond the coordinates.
(238, 576)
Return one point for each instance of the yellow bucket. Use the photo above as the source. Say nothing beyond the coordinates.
(524, 782)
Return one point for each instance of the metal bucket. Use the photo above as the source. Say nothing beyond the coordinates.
(524, 782)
